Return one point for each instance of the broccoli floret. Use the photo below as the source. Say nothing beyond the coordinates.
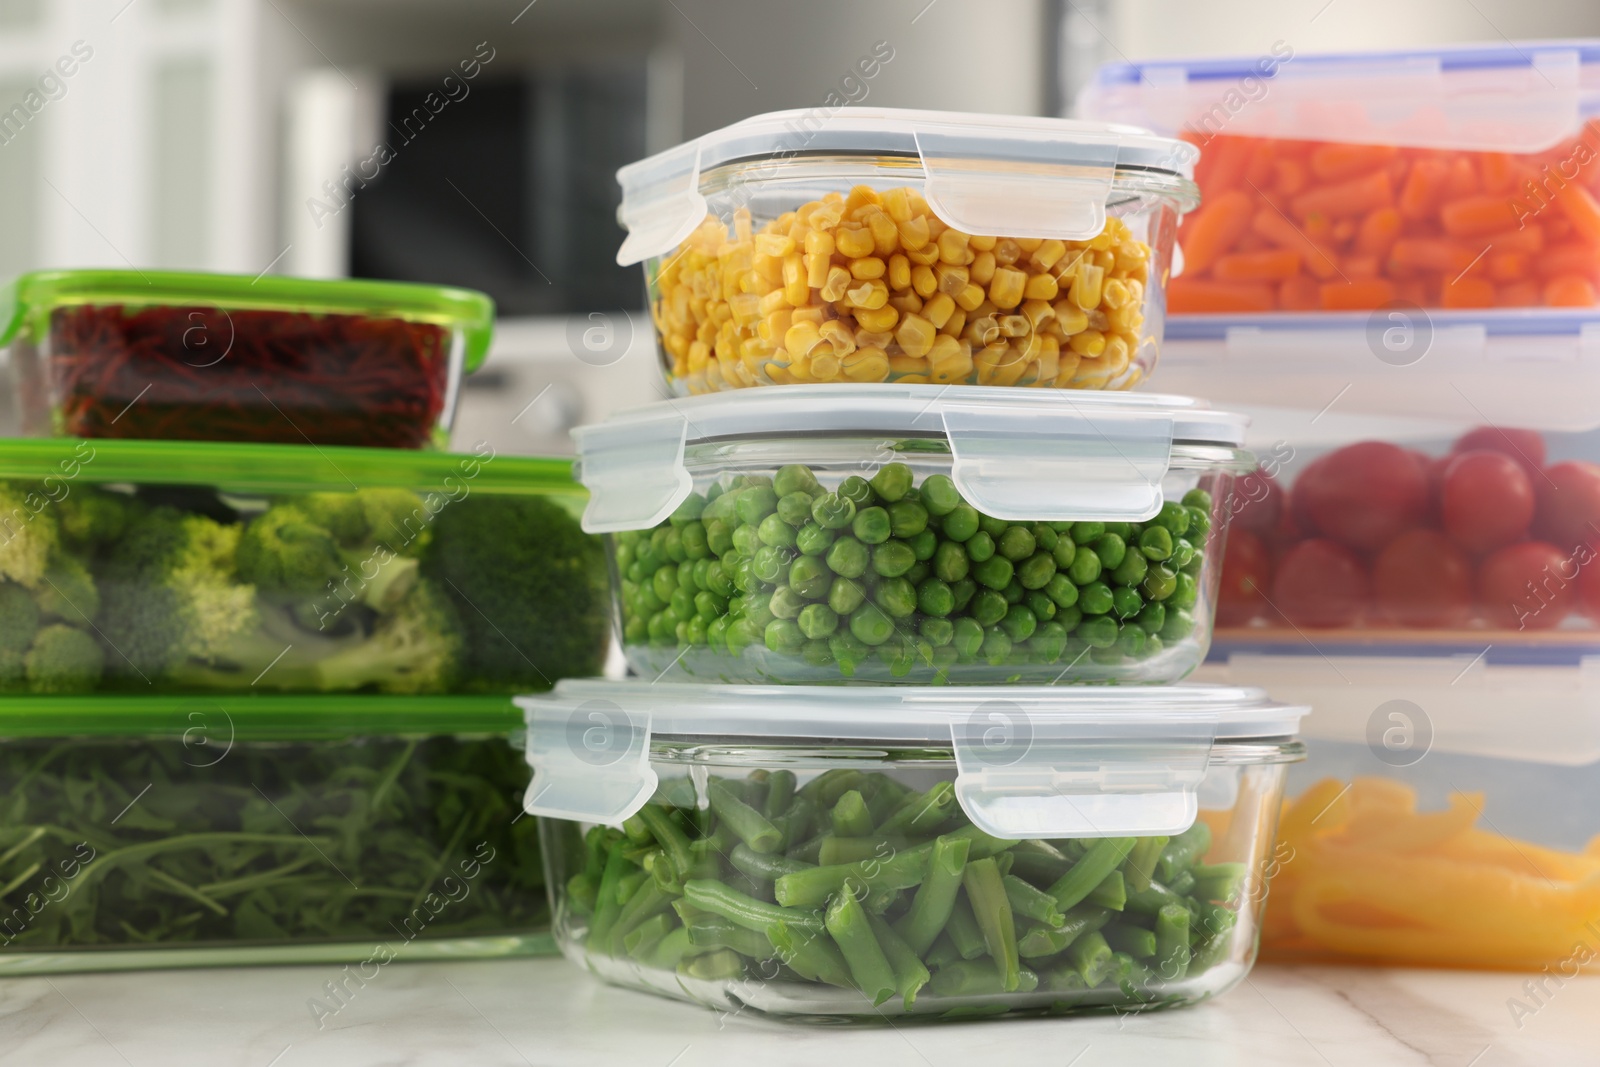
(284, 552)
(530, 587)
(416, 648)
(64, 659)
(92, 517)
(29, 534)
(19, 625)
(69, 592)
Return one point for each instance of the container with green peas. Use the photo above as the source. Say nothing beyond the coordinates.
(918, 539)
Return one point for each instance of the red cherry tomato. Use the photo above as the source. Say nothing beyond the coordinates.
(1364, 495)
(1433, 468)
(1320, 583)
(1487, 501)
(1524, 446)
(1255, 502)
(1528, 586)
(1246, 576)
(1423, 580)
(1297, 515)
(1588, 582)
(1568, 509)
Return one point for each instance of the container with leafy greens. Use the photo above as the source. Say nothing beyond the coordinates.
(140, 831)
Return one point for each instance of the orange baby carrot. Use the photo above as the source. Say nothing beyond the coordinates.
(1509, 266)
(1378, 231)
(1569, 258)
(1582, 211)
(1336, 162)
(1498, 177)
(1283, 233)
(1461, 179)
(1423, 187)
(1431, 254)
(1192, 295)
(1354, 197)
(1519, 295)
(1289, 176)
(1356, 267)
(1363, 295)
(1529, 238)
(1569, 291)
(1467, 293)
(1417, 291)
(1213, 230)
(1229, 156)
(1258, 171)
(1300, 293)
(1319, 228)
(1273, 266)
(1474, 216)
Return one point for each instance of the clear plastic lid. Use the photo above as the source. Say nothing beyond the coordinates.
(985, 174)
(1032, 761)
(1016, 454)
(1518, 96)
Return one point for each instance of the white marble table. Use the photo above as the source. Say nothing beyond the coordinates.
(521, 1013)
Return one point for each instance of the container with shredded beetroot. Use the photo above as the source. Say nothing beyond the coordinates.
(213, 357)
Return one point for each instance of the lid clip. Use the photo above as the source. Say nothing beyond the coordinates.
(590, 765)
(634, 472)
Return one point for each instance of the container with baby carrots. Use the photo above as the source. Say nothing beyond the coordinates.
(1383, 217)
(873, 245)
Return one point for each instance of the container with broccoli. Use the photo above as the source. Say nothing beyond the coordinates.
(162, 567)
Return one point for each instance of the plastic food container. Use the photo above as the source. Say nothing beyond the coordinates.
(871, 853)
(1363, 211)
(154, 567)
(913, 533)
(215, 357)
(878, 245)
(145, 832)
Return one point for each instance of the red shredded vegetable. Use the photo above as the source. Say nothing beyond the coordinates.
(206, 374)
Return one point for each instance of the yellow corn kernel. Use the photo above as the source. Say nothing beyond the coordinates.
(904, 365)
(897, 202)
(951, 279)
(1090, 374)
(928, 254)
(1114, 294)
(1088, 343)
(970, 297)
(1098, 320)
(1048, 254)
(1104, 240)
(1118, 352)
(1037, 313)
(923, 281)
(868, 295)
(837, 334)
(799, 368)
(770, 270)
(775, 325)
(819, 243)
(1125, 319)
(741, 223)
(1015, 326)
(915, 335)
(795, 288)
(954, 248)
(938, 309)
(1007, 287)
(879, 320)
(827, 217)
(955, 323)
(949, 361)
(1067, 367)
(859, 195)
(866, 365)
(982, 270)
(1086, 288)
(1131, 256)
(983, 332)
(870, 339)
(833, 288)
(817, 269)
(853, 241)
(699, 356)
(1029, 244)
(1049, 360)
(814, 315)
(913, 379)
(885, 237)
(774, 244)
(800, 339)
(825, 366)
(1073, 319)
(773, 301)
(1007, 251)
(899, 272)
(1010, 368)
(914, 233)
(745, 308)
(906, 303)
(1040, 287)
(867, 267)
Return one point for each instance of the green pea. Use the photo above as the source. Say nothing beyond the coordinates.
(964, 590)
(1037, 571)
(1174, 517)
(816, 653)
(1085, 568)
(1159, 583)
(1069, 617)
(719, 537)
(935, 598)
(813, 540)
(1046, 537)
(892, 559)
(997, 647)
(857, 491)
(1111, 549)
(1095, 598)
(746, 540)
(896, 596)
(648, 602)
(1050, 641)
(871, 526)
(849, 650)
(1199, 525)
(919, 570)
(695, 546)
(1185, 593)
(635, 572)
(1156, 543)
(967, 636)
(795, 509)
(869, 625)
(900, 655)
(686, 577)
(1064, 552)
(744, 576)
(1061, 590)
(907, 518)
(1131, 642)
(693, 506)
(1087, 533)
(1152, 618)
(717, 580)
(833, 511)
(891, 482)
(758, 608)
(665, 582)
(994, 572)
(1196, 564)
(1123, 530)
(786, 603)
(939, 494)
(1099, 631)
(1016, 544)
(924, 544)
(756, 503)
(1182, 553)
(848, 557)
(818, 620)
(775, 531)
(980, 547)
(1131, 570)
(694, 631)
(845, 595)
(672, 545)
(937, 632)
(701, 568)
(810, 577)
(1125, 602)
(663, 626)
(783, 635)
(709, 605)
(992, 526)
(950, 561)
(682, 603)
(1019, 623)
(795, 478)
(1197, 498)
(717, 633)
(1013, 592)
(961, 523)
(771, 562)
(988, 607)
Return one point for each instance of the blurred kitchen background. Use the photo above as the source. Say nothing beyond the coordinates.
(474, 142)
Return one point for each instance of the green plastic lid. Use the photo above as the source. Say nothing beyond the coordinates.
(28, 300)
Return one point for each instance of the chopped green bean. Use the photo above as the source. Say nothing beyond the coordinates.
(1103, 857)
(753, 828)
(851, 930)
(936, 897)
(1172, 942)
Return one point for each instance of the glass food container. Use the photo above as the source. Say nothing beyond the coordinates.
(216, 357)
(880, 245)
(873, 853)
(913, 534)
(145, 832)
(172, 567)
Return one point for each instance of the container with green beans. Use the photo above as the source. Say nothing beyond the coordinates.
(878, 552)
(819, 852)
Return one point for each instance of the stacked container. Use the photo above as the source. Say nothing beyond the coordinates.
(898, 505)
(1396, 247)
(259, 634)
